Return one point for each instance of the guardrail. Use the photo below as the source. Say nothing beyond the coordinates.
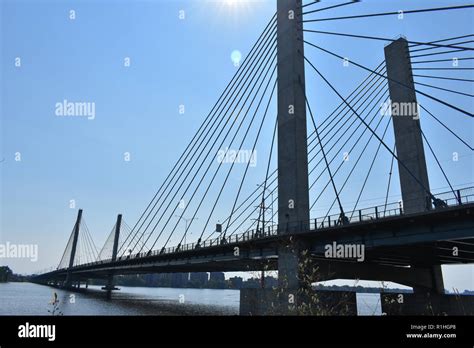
(463, 196)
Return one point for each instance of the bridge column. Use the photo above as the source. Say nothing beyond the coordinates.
(408, 137)
(293, 191)
(435, 274)
(406, 124)
(73, 249)
(293, 196)
(110, 279)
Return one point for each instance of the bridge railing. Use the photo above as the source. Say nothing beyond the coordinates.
(462, 196)
(361, 215)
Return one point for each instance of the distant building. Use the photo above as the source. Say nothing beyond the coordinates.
(164, 280)
(271, 282)
(179, 280)
(152, 279)
(217, 280)
(252, 283)
(217, 276)
(198, 279)
(236, 282)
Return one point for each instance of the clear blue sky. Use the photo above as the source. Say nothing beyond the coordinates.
(173, 62)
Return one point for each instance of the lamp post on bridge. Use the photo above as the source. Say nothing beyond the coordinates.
(186, 222)
(264, 206)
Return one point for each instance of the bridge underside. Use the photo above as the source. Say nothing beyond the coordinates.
(397, 249)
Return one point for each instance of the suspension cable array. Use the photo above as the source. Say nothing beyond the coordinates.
(216, 187)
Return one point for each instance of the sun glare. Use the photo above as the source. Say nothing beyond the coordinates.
(235, 12)
(235, 5)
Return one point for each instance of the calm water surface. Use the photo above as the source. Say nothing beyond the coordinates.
(33, 299)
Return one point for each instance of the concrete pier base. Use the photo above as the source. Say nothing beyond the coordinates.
(279, 302)
(268, 302)
(429, 304)
(110, 286)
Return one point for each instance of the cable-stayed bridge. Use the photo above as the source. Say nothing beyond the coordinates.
(238, 220)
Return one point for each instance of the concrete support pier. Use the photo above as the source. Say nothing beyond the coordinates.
(110, 279)
(409, 142)
(293, 196)
(293, 192)
(406, 125)
(430, 304)
(265, 302)
(77, 226)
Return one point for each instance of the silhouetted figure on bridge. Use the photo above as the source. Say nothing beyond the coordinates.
(343, 219)
(223, 240)
(198, 244)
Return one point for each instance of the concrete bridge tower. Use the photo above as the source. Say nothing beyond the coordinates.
(293, 189)
(409, 143)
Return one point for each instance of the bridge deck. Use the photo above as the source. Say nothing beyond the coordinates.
(417, 239)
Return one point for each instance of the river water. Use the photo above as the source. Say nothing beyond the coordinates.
(33, 299)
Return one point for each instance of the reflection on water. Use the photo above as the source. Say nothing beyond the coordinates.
(33, 299)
